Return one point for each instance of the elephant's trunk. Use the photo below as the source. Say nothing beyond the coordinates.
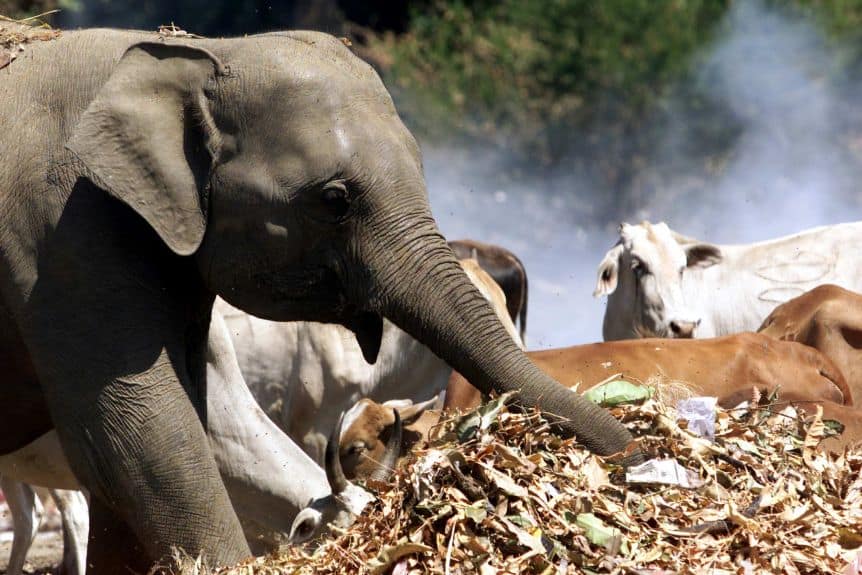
(418, 284)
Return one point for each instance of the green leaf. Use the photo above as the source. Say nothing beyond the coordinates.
(521, 521)
(600, 533)
(481, 418)
(478, 511)
(618, 392)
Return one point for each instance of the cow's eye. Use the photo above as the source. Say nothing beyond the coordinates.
(638, 268)
(356, 448)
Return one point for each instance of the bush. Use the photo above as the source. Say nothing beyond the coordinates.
(532, 66)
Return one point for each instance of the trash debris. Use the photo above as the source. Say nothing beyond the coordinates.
(173, 31)
(699, 412)
(663, 471)
(498, 492)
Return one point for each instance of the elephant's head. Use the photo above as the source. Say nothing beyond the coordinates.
(279, 165)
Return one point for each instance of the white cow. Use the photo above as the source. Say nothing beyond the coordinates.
(268, 477)
(662, 284)
(306, 374)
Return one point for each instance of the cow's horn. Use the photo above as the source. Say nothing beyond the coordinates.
(332, 461)
(393, 450)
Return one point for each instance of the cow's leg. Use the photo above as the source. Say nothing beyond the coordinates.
(76, 524)
(26, 513)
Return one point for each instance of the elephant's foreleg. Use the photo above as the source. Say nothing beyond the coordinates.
(75, 514)
(139, 447)
(26, 513)
(114, 326)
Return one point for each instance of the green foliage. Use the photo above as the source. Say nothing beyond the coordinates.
(488, 68)
(840, 17)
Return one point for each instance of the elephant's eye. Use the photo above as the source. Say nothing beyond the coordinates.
(336, 199)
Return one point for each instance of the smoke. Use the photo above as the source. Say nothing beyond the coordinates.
(789, 159)
(792, 164)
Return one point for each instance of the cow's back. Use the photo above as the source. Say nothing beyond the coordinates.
(828, 318)
(729, 368)
(737, 294)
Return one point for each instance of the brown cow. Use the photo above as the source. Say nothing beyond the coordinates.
(369, 426)
(729, 368)
(828, 318)
(726, 367)
(849, 415)
(506, 269)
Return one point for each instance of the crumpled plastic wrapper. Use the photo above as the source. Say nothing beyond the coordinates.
(699, 413)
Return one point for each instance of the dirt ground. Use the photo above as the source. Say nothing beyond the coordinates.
(44, 555)
(47, 550)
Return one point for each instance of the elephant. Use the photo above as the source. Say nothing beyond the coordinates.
(140, 177)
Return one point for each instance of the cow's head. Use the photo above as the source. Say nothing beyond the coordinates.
(642, 275)
(369, 429)
(342, 506)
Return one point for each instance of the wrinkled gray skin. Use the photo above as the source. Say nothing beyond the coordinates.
(139, 178)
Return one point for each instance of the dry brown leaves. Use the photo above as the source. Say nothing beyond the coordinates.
(173, 31)
(511, 497)
(15, 35)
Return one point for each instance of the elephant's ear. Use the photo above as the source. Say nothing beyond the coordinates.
(148, 138)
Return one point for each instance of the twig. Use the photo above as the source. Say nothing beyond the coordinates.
(449, 547)
(36, 17)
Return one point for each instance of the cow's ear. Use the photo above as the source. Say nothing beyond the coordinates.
(702, 255)
(609, 271)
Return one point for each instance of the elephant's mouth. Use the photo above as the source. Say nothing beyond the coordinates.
(314, 294)
(320, 295)
(368, 329)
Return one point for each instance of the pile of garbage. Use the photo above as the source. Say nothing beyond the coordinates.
(738, 491)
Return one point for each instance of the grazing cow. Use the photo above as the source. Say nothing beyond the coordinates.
(828, 318)
(305, 374)
(662, 284)
(506, 269)
(274, 486)
(729, 368)
(369, 428)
